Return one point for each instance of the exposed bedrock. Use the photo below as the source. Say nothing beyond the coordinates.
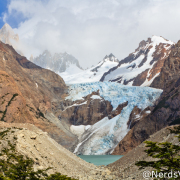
(89, 110)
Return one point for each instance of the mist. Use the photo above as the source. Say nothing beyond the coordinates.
(90, 29)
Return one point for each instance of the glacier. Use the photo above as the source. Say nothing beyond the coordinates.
(102, 137)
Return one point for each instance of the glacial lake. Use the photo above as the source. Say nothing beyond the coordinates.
(100, 159)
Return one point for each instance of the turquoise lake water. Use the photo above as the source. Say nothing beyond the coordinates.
(100, 159)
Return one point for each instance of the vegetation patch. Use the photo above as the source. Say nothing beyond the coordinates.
(4, 112)
(14, 166)
(165, 154)
(39, 114)
(30, 108)
(3, 133)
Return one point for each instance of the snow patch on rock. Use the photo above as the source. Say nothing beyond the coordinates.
(95, 97)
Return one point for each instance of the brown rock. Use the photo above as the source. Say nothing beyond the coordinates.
(87, 111)
(22, 101)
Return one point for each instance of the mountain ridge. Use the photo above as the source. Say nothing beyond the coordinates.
(141, 67)
(31, 94)
(92, 74)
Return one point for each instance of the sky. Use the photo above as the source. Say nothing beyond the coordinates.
(90, 29)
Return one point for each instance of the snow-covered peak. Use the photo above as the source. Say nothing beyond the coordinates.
(141, 67)
(46, 53)
(93, 74)
(153, 42)
(111, 58)
(159, 39)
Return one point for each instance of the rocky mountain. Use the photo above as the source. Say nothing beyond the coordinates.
(92, 117)
(141, 67)
(93, 74)
(59, 62)
(167, 109)
(8, 36)
(141, 123)
(31, 94)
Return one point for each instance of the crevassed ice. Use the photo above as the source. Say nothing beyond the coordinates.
(103, 137)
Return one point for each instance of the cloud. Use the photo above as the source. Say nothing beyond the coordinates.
(90, 29)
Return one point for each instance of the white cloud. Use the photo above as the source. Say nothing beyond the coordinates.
(90, 29)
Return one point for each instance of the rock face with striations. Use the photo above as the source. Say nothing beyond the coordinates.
(167, 108)
(28, 94)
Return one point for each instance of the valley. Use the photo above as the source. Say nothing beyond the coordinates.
(108, 109)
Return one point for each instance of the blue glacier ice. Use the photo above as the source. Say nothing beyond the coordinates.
(103, 137)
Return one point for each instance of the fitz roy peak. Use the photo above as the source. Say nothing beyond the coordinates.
(8, 36)
(141, 67)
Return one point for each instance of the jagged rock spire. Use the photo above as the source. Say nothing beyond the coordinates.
(110, 57)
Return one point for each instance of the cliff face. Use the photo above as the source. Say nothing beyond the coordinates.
(170, 72)
(28, 94)
(87, 111)
(167, 108)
